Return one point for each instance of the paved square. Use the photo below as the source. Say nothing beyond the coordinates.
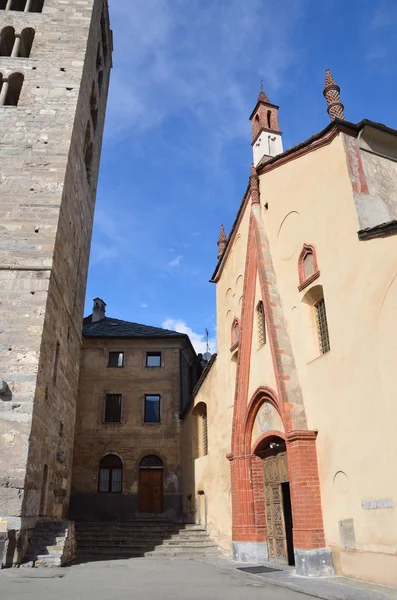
(139, 579)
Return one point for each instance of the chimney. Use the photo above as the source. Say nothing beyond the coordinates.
(99, 310)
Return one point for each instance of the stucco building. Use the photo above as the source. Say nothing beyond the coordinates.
(135, 380)
(55, 61)
(300, 400)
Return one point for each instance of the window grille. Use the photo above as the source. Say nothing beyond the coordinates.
(110, 475)
(322, 326)
(205, 435)
(261, 324)
(113, 408)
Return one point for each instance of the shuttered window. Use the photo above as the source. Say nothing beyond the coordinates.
(113, 408)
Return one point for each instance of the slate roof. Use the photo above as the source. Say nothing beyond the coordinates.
(115, 328)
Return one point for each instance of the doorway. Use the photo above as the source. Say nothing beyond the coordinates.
(150, 490)
(278, 504)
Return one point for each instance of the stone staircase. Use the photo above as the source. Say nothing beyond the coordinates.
(131, 539)
(51, 545)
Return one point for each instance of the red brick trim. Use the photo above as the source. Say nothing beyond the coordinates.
(261, 395)
(303, 281)
(268, 436)
(303, 435)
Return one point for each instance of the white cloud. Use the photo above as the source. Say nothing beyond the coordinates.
(178, 59)
(144, 305)
(176, 262)
(198, 340)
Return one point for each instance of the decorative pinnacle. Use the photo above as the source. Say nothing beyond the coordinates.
(254, 185)
(222, 241)
(332, 96)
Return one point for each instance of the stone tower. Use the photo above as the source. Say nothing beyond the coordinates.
(55, 61)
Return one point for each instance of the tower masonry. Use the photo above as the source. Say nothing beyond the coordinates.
(55, 61)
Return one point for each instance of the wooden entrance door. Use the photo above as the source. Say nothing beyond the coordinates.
(276, 473)
(150, 491)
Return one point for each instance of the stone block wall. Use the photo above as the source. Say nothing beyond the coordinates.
(47, 205)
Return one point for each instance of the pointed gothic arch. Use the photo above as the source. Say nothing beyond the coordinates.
(308, 270)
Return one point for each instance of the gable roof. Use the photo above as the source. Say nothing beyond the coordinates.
(116, 328)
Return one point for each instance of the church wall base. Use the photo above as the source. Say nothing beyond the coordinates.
(250, 551)
(314, 563)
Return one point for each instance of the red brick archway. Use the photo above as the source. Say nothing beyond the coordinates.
(248, 500)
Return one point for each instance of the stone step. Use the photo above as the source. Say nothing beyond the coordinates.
(138, 525)
(144, 545)
(95, 555)
(82, 535)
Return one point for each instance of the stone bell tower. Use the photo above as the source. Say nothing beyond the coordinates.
(55, 61)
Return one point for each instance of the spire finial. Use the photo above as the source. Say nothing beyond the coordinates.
(261, 85)
(332, 96)
(222, 241)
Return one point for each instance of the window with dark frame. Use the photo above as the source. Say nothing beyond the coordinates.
(322, 326)
(153, 359)
(113, 408)
(110, 475)
(152, 408)
(116, 360)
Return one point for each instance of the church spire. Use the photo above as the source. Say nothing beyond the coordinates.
(222, 242)
(332, 96)
(266, 134)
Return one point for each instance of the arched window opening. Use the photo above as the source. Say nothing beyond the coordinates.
(99, 67)
(18, 5)
(88, 152)
(11, 90)
(307, 266)
(94, 108)
(269, 119)
(36, 6)
(260, 312)
(235, 332)
(3, 4)
(151, 462)
(104, 35)
(7, 41)
(200, 411)
(322, 326)
(27, 37)
(110, 475)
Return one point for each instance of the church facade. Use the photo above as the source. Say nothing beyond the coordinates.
(299, 401)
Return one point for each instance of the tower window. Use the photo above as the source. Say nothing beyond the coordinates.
(322, 326)
(99, 67)
(113, 408)
(269, 119)
(7, 41)
(88, 152)
(260, 312)
(10, 89)
(104, 35)
(56, 363)
(94, 108)
(22, 5)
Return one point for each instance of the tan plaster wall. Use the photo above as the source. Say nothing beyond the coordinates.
(211, 473)
(349, 393)
(261, 365)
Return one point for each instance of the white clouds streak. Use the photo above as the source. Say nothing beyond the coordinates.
(198, 340)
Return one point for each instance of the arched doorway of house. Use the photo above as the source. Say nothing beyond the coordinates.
(272, 450)
(150, 490)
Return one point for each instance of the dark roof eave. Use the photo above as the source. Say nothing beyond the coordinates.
(198, 385)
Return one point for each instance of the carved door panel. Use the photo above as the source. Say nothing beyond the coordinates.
(275, 471)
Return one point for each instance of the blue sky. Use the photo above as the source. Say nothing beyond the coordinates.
(176, 153)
